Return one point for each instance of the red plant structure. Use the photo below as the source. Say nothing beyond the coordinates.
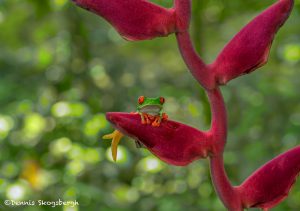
(247, 51)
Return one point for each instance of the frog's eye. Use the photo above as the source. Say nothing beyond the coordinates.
(162, 100)
(141, 99)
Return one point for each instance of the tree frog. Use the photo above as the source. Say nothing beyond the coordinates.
(150, 110)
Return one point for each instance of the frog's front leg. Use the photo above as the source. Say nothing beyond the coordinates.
(144, 118)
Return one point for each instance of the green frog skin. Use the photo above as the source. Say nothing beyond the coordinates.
(150, 110)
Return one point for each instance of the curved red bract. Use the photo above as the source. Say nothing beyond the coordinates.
(172, 142)
(134, 19)
(249, 49)
(271, 183)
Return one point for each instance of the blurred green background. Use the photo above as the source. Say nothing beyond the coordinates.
(62, 68)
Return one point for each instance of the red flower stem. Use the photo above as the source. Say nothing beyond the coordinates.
(183, 14)
(195, 64)
(227, 193)
(218, 130)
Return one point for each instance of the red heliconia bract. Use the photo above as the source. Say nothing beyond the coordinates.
(172, 142)
(249, 49)
(271, 183)
(134, 19)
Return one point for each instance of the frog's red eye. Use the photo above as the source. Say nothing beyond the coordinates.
(162, 100)
(141, 99)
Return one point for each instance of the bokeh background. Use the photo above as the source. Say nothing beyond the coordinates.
(62, 68)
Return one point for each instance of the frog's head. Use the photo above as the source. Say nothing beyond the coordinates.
(150, 105)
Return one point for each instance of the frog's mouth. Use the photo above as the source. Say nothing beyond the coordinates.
(151, 109)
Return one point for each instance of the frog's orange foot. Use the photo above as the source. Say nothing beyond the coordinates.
(165, 116)
(145, 119)
(156, 122)
(134, 112)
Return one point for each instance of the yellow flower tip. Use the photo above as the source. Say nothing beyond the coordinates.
(116, 137)
(108, 136)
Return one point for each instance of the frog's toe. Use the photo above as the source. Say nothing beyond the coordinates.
(155, 124)
(165, 116)
(143, 121)
(148, 121)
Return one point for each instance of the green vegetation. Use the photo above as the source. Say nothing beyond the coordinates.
(62, 68)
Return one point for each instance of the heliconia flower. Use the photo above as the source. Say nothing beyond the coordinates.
(172, 142)
(249, 49)
(271, 183)
(138, 19)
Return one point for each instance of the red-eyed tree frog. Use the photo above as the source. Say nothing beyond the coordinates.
(150, 110)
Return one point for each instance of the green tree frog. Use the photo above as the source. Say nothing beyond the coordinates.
(150, 110)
